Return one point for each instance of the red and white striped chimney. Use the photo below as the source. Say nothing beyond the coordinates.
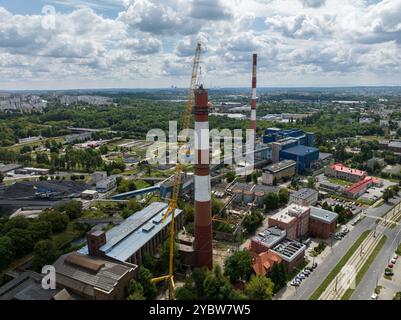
(253, 101)
(203, 217)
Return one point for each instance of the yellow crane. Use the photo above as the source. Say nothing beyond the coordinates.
(177, 176)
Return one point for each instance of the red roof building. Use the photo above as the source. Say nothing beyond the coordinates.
(264, 262)
(339, 171)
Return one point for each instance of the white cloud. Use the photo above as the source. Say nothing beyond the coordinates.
(151, 43)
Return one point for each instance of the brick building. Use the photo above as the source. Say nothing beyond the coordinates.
(322, 223)
(294, 220)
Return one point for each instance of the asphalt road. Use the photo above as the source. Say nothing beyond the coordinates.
(339, 249)
(369, 281)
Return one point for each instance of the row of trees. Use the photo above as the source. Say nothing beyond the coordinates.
(20, 236)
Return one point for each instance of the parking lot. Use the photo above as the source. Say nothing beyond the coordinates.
(391, 284)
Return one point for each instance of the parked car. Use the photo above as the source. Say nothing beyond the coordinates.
(393, 261)
(390, 265)
(395, 257)
(307, 271)
(389, 272)
(314, 265)
(374, 296)
(301, 276)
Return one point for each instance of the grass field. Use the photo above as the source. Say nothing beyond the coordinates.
(340, 182)
(331, 276)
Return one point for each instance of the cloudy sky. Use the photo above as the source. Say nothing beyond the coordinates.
(150, 43)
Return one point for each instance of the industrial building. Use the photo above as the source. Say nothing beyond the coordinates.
(142, 232)
(267, 239)
(93, 278)
(6, 168)
(250, 193)
(273, 246)
(322, 223)
(278, 171)
(304, 197)
(106, 185)
(294, 220)
(292, 253)
(339, 171)
(32, 171)
(28, 286)
(304, 156)
(301, 138)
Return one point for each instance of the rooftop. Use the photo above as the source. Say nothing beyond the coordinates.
(290, 213)
(304, 193)
(83, 273)
(394, 144)
(301, 150)
(288, 250)
(323, 215)
(279, 166)
(270, 236)
(128, 237)
(27, 286)
(9, 167)
(264, 262)
(341, 168)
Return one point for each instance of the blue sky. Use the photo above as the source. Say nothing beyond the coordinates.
(150, 43)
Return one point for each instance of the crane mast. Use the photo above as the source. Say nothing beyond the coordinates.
(173, 202)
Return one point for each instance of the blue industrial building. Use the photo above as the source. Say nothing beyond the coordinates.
(304, 156)
(276, 134)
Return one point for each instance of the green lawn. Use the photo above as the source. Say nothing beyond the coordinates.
(340, 182)
(347, 295)
(331, 276)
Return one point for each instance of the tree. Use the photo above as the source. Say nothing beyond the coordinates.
(149, 288)
(253, 221)
(72, 208)
(239, 266)
(6, 251)
(58, 221)
(284, 196)
(19, 222)
(217, 205)
(271, 201)
(230, 176)
(311, 182)
(259, 288)
(21, 240)
(40, 230)
(278, 276)
(135, 291)
(44, 253)
(1, 177)
(134, 205)
(217, 286)
(189, 213)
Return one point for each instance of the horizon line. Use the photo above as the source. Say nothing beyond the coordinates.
(213, 87)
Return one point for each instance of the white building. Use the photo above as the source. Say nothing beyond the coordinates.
(106, 184)
(304, 197)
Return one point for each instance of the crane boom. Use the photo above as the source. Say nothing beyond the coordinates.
(173, 203)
